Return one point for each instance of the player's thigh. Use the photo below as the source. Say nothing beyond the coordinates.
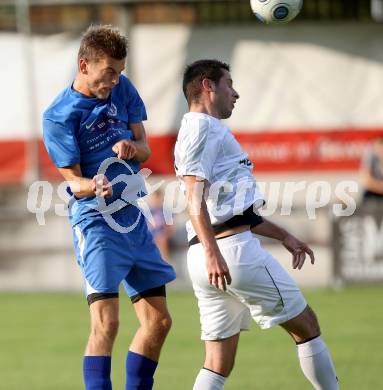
(222, 315)
(150, 270)
(102, 256)
(260, 282)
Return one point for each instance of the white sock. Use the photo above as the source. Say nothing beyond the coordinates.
(317, 365)
(209, 380)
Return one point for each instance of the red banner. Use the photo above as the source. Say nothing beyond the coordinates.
(308, 151)
(339, 150)
(13, 156)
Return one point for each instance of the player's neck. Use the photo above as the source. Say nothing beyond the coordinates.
(80, 85)
(204, 109)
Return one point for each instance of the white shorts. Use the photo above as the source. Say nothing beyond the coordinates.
(260, 289)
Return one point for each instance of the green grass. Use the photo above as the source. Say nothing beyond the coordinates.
(42, 337)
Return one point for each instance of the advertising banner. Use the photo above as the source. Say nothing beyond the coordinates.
(358, 245)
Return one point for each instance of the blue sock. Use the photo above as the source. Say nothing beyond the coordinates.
(97, 372)
(139, 372)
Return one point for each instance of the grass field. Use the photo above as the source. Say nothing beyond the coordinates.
(42, 337)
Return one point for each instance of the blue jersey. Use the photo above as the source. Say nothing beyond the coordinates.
(82, 130)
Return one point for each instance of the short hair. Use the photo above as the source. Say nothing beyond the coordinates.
(199, 70)
(99, 41)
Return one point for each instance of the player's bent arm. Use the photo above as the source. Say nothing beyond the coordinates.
(297, 248)
(271, 230)
(83, 187)
(142, 148)
(196, 206)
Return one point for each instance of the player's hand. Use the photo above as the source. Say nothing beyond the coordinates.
(299, 250)
(125, 149)
(101, 186)
(218, 271)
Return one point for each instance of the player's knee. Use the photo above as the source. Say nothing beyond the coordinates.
(303, 327)
(310, 326)
(226, 370)
(222, 367)
(107, 328)
(160, 326)
(164, 325)
(312, 322)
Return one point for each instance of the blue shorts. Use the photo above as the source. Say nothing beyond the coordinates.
(107, 257)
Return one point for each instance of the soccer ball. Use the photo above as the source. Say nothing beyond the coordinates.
(276, 11)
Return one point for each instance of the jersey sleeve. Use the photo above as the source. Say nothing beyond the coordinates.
(196, 149)
(60, 143)
(134, 104)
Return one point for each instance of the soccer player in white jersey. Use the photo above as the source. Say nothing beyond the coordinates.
(234, 278)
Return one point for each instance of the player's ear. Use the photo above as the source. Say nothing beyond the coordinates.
(83, 66)
(208, 85)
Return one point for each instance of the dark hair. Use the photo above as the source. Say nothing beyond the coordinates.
(199, 70)
(102, 40)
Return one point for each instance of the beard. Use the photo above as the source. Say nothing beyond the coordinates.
(224, 107)
(225, 113)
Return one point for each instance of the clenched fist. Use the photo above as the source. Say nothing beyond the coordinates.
(125, 149)
(101, 186)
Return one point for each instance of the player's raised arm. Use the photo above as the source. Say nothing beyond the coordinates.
(217, 269)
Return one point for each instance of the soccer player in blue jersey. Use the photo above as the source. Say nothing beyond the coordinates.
(95, 120)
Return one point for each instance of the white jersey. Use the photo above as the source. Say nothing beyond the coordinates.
(207, 149)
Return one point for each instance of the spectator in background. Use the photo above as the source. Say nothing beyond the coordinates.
(372, 172)
(160, 230)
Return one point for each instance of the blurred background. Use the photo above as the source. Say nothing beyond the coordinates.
(310, 116)
(311, 106)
